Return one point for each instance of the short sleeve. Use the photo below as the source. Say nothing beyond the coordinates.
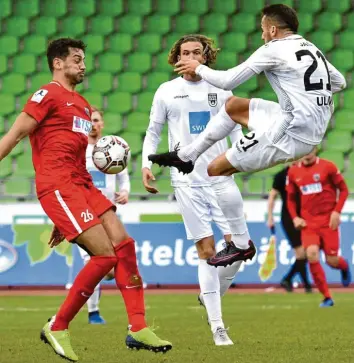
(39, 105)
(334, 173)
(278, 181)
(158, 111)
(262, 59)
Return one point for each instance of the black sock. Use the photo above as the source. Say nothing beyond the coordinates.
(292, 272)
(302, 269)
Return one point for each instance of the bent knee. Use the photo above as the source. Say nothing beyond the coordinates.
(312, 254)
(205, 251)
(213, 170)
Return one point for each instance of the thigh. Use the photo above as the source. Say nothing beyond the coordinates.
(96, 241)
(69, 211)
(114, 227)
(195, 213)
(262, 114)
(310, 237)
(330, 241)
(216, 213)
(98, 202)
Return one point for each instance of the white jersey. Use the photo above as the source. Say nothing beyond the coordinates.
(107, 183)
(187, 108)
(300, 76)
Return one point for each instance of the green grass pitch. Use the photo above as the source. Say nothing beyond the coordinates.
(266, 328)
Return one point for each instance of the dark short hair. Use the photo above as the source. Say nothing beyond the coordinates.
(283, 15)
(59, 48)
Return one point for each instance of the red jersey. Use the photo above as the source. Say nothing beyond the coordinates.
(317, 184)
(59, 142)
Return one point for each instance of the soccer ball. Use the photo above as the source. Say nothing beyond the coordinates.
(111, 154)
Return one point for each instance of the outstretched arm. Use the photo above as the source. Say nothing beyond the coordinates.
(22, 127)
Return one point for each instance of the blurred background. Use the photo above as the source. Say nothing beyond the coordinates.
(128, 42)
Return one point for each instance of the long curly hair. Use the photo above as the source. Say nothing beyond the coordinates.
(209, 49)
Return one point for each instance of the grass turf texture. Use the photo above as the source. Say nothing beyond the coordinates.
(264, 327)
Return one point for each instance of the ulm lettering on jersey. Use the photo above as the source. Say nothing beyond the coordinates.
(324, 101)
(81, 125)
(181, 96)
(314, 188)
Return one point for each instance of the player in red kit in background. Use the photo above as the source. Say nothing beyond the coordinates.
(318, 181)
(58, 122)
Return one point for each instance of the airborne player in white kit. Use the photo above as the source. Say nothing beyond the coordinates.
(304, 82)
(107, 183)
(186, 104)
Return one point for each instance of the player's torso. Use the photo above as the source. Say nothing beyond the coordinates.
(60, 140)
(104, 182)
(302, 83)
(318, 194)
(190, 106)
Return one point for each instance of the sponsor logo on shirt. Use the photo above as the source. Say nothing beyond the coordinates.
(81, 125)
(39, 95)
(212, 99)
(314, 188)
(181, 96)
(98, 178)
(198, 121)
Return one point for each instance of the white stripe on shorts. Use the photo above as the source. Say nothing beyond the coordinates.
(68, 211)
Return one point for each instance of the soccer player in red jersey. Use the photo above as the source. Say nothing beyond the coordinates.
(58, 121)
(318, 181)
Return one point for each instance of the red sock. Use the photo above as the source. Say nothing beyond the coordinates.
(342, 264)
(84, 284)
(130, 284)
(319, 277)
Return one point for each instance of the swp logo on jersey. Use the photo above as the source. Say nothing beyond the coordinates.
(198, 121)
(8, 256)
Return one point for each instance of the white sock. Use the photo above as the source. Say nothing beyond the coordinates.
(93, 301)
(231, 203)
(210, 291)
(227, 275)
(217, 129)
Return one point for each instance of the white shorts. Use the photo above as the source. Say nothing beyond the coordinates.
(84, 255)
(199, 207)
(258, 150)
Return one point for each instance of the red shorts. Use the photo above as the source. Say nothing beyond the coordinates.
(75, 208)
(324, 237)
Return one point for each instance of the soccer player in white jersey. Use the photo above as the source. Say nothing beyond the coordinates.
(304, 82)
(186, 104)
(108, 185)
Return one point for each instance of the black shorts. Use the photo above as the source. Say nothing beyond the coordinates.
(293, 235)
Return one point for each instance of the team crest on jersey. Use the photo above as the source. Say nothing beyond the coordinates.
(212, 99)
(81, 125)
(316, 177)
(87, 111)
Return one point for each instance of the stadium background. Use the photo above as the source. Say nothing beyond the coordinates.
(126, 60)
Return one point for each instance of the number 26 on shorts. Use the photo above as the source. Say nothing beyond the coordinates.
(87, 216)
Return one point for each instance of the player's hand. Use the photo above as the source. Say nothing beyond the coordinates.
(299, 223)
(121, 197)
(186, 67)
(270, 221)
(147, 177)
(334, 220)
(56, 237)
